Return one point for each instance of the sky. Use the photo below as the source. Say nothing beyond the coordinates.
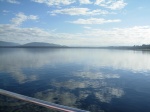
(76, 22)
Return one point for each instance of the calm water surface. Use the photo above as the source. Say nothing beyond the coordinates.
(91, 79)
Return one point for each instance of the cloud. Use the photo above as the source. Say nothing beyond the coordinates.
(87, 27)
(62, 2)
(80, 11)
(117, 5)
(111, 4)
(85, 2)
(14, 33)
(55, 2)
(9, 30)
(136, 35)
(94, 21)
(21, 17)
(12, 1)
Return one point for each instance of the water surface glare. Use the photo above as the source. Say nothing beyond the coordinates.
(91, 79)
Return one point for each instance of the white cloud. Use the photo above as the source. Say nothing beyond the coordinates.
(117, 5)
(80, 11)
(85, 2)
(62, 2)
(111, 4)
(12, 1)
(12, 33)
(32, 17)
(94, 21)
(87, 27)
(21, 17)
(9, 30)
(55, 2)
(99, 2)
(137, 35)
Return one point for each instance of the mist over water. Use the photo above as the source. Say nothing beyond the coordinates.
(92, 79)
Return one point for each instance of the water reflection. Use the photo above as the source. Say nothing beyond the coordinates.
(96, 75)
(89, 79)
(15, 59)
(79, 87)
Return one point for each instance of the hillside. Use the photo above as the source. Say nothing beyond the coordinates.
(40, 44)
(4, 44)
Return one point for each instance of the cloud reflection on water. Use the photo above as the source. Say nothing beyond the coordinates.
(80, 84)
(96, 75)
(36, 58)
(80, 87)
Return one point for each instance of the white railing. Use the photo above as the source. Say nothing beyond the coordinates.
(40, 102)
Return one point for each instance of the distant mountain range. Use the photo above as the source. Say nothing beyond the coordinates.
(28, 45)
(4, 44)
(41, 44)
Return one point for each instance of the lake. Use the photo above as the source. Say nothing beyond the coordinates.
(98, 80)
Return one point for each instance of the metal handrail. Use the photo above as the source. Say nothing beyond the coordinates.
(40, 102)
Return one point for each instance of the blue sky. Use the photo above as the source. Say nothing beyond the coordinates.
(76, 22)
